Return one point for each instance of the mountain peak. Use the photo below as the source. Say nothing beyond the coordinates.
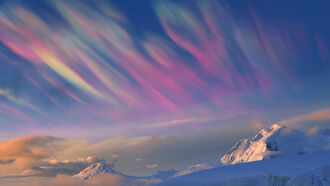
(93, 170)
(267, 132)
(276, 138)
(277, 126)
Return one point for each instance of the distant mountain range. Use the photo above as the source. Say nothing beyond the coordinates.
(96, 169)
(300, 160)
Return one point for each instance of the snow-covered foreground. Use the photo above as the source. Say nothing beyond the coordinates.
(306, 169)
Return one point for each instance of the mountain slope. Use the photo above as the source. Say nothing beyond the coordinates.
(93, 170)
(96, 169)
(307, 169)
(275, 141)
(194, 168)
(162, 175)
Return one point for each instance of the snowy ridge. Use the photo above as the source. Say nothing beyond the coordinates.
(96, 169)
(93, 170)
(246, 150)
(276, 141)
(193, 168)
(311, 169)
(162, 175)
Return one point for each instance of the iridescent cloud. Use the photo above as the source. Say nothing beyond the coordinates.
(206, 65)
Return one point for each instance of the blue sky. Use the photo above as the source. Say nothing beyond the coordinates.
(98, 71)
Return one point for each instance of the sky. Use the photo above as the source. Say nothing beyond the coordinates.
(154, 85)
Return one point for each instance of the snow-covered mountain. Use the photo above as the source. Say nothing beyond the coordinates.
(93, 170)
(312, 169)
(101, 168)
(277, 140)
(300, 160)
(194, 168)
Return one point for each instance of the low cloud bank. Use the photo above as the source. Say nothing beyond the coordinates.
(49, 156)
(102, 179)
(24, 152)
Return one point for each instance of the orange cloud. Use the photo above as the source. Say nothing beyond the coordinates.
(25, 152)
(256, 125)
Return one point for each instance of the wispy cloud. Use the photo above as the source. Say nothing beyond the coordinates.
(170, 123)
(15, 99)
(96, 61)
(256, 125)
(316, 116)
(16, 113)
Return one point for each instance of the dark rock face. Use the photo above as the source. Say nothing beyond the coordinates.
(272, 146)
